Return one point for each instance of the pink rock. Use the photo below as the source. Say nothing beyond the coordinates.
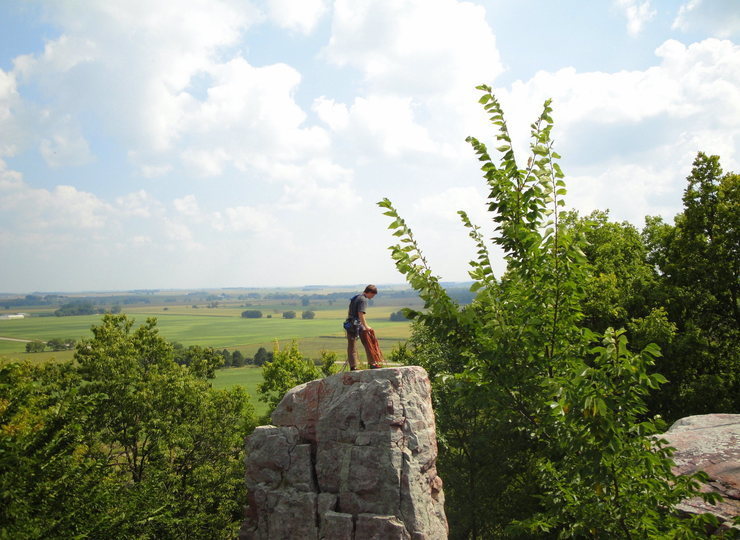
(710, 443)
(363, 444)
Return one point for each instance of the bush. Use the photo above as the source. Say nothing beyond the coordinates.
(308, 315)
(35, 346)
(399, 316)
(288, 314)
(252, 314)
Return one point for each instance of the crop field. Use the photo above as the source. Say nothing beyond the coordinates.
(248, 377)
(221, 328)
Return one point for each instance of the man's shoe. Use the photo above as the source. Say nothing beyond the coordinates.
(373, 367)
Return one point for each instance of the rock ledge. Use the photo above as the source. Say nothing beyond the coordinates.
(352, 456)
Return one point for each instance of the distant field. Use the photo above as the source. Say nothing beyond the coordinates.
(221, 327)
(248, 377)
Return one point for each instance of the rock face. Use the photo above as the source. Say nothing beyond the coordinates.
(351, 456)
(710, 443)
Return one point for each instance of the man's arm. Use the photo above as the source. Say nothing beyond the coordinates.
(363, 321)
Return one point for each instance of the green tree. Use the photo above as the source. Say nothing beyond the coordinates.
(252, 314)
(237, 359)
(288, 368)
(35, 346)
(176, 443)
(262, 356)
(562, 406)
(308, 314)
(698, 261)
(53, 478)
(288, 314)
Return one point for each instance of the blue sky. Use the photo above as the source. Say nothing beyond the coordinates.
(210, 143)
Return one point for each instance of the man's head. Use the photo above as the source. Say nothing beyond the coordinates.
(370, 291)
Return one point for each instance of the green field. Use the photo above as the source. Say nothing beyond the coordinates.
(248, 377)
(221, 328)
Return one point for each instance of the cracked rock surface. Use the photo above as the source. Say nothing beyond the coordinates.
(709, 443)
(351, 456)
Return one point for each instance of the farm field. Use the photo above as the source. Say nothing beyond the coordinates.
(248, 377)
(221, 328)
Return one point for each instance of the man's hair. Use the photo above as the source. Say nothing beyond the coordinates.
(371, 288)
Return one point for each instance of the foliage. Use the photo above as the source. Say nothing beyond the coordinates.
(59, 344)
(398, 316)
(328, 363)
(252, 314)
(541, 421)
(35, 346)
(287, 369)
(52, 479)
(262, 356)
(698, 261)
(288, 314)
(77, 308)
(308, 314)
(128, 443)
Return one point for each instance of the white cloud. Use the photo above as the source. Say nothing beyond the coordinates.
(646, 125)
(300, 16)
(242, 218)
(139, 204)
(638, 13)
(445, 205)
(721, 18)
(417, 47)
(36, 209)
(380, 123)
(187, 205)
(65, 146)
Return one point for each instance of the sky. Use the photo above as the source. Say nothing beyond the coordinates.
(245, 143)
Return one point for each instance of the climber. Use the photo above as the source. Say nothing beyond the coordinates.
(357, 327)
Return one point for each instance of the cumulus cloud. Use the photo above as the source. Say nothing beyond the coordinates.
(415, 47)
(35, 209)
(638, 13)
(655, 119)
(719, 17)
(299, 17)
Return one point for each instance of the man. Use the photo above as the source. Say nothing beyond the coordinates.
(358, 325)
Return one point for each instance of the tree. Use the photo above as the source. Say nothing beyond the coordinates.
(305, 301)
(53, 483)
(252, 314)
(288, 314)
(35, 346)
(262, 356)
(563, 406)
(308, 315)
(59, 344)
(287, 369)
(699, 275)
(399, 316)
(175, 442)
(237, 359)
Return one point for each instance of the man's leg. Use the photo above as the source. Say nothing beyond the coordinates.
(351, 351)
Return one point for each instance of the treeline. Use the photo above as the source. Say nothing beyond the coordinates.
(257, 314)
(54, 344)
(34, 300)
(229, 358)
(550, 388)
(129, 441)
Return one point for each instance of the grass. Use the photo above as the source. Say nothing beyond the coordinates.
(221, 328)
(248, 377)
